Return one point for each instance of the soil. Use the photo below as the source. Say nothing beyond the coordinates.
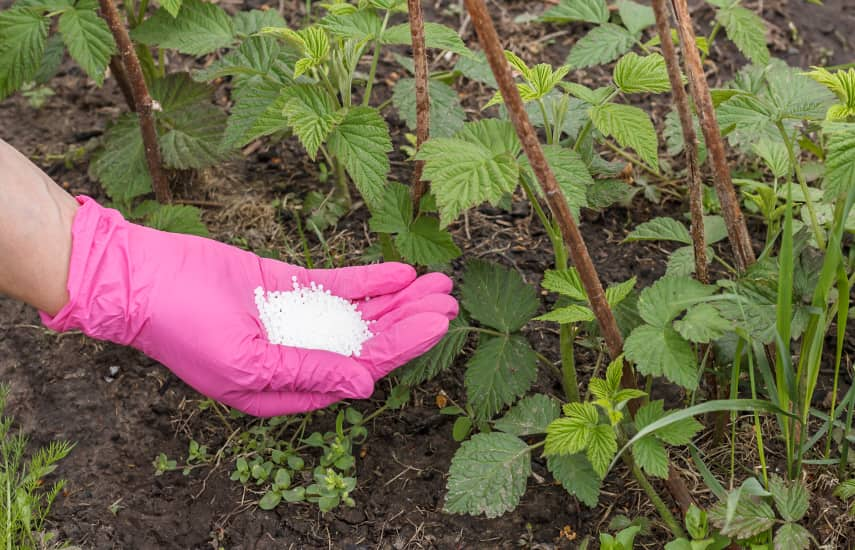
(122, 409)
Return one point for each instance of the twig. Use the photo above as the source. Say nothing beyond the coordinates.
(141, 98)
(737, 231)
(554, 196)
(121, 76)
(417, 31)
(690, 139)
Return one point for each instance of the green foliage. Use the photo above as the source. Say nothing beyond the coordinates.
(361, 141)
(602, 45)
(745, 29)
(531, 415)
(88, 39)
(842, 83)
(497, 297)
(568, 11)
(446, 113)
(649, 452)
(577, 476)
(631, 127)
(635, 73)
(200, 27)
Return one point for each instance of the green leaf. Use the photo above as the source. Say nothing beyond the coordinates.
(462, 427)
(617, 293)
(178, 219)
(661, 302)
(660, 229)
(751, 518)
(747, 30)
(845, 490)
(681, 262)
(593, 97)
(602, 447)
(259, 60)
(476, 68)
(679, 432)
(531, 415)
(570, 172)
(359, 25)
(488, 475)
(312, 114)
(425, 243)
(394, 213)
(602, 45)
(362, 141)
(257, 112)
(674, 136)
(446, 114)
(636, 74)
(840, 162)
(568, 315)
(658, 351)
(634, 16)
(121, 167)
(501, 370)
(703, 324)
(792, 536)
(497, 296)
(745, 113)
(193, 138)
(89, 41)
(439, 358)
(247, 23)
(436, 36)
(23, 34)
(568, 11)
(270, 500)
(774, 154)
(465, 172)
(651, 455)
(631, 127)
(572, 434)
(172, 6)
(566, 282)
(51, 60)
(577, 476)
(791, 498)
(200, 28)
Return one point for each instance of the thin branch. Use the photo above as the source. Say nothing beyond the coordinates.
(417, 31)
(690, 139)
(141, 98)
(554, 196)
(737, 231)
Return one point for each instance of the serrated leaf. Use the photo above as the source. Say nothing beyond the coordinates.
(631, 127)
(602, 45)
(570, 172)
(51, 60)
(501, 370)
(586, 94)
(436, 36)
(178, 219)
(425, 243)
(531, 415)
(702, 324)
(568, 315)
(774, 154)
(746, 113)
(661, 302)
(845, 490)
(310, 111)
(362, 141)
(577, 476)
(89, 41)
(660, 351)
(439, 358)
(651, 455)
(193, 138)
(488, 475)
(791, 498)
(637, 74)
(751, 518)
(359, 25)
(257, 112)
(635, 17)
(680, 432)
(605, 193)
(476, 68)
(394, 213)
(23, 34)
(172, 6)
(674, 138)
(566, 282)
(121, 167)
(247, 23)
(660, 229)
(602, 448)
(747, 30)
(617, 293)
(446, 114)
(200, 28)
(572, 434)
(840, 162)
(497, 296)
(258, 60)
(464, 172)
(792, 536)
(568, 11)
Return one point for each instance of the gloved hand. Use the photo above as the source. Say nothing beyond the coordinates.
(188, 303)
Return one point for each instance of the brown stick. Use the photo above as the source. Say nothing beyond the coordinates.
(141, 98)
(417, 31)
(121, 76)
(737, 231)
(690, 139)
(554, 196)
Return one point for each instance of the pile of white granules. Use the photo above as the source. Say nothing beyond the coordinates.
(312, 318)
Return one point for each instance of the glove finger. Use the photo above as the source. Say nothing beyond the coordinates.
(314, 371)
(432, 283)
(278, 403)
(402, 342)
(351, 283)
(443, 304)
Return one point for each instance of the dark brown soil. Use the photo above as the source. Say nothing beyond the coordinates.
(63, 386)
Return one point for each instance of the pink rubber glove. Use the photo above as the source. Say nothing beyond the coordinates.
(188, 302)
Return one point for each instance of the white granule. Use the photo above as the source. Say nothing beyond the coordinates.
(312, 318)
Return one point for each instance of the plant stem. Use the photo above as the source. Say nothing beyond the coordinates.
(417, 32)
(374, 61)
(583, 133)
(737, 231)
(546, 127)
(569, 379)
(658, 503)
(142, 100)
(121, 76)
(817, 230)
(713, 33)
(141, 12)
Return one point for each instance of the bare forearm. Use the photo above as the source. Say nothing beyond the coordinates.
(35, 233)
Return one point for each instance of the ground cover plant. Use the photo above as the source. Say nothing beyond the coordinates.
(558, 375)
